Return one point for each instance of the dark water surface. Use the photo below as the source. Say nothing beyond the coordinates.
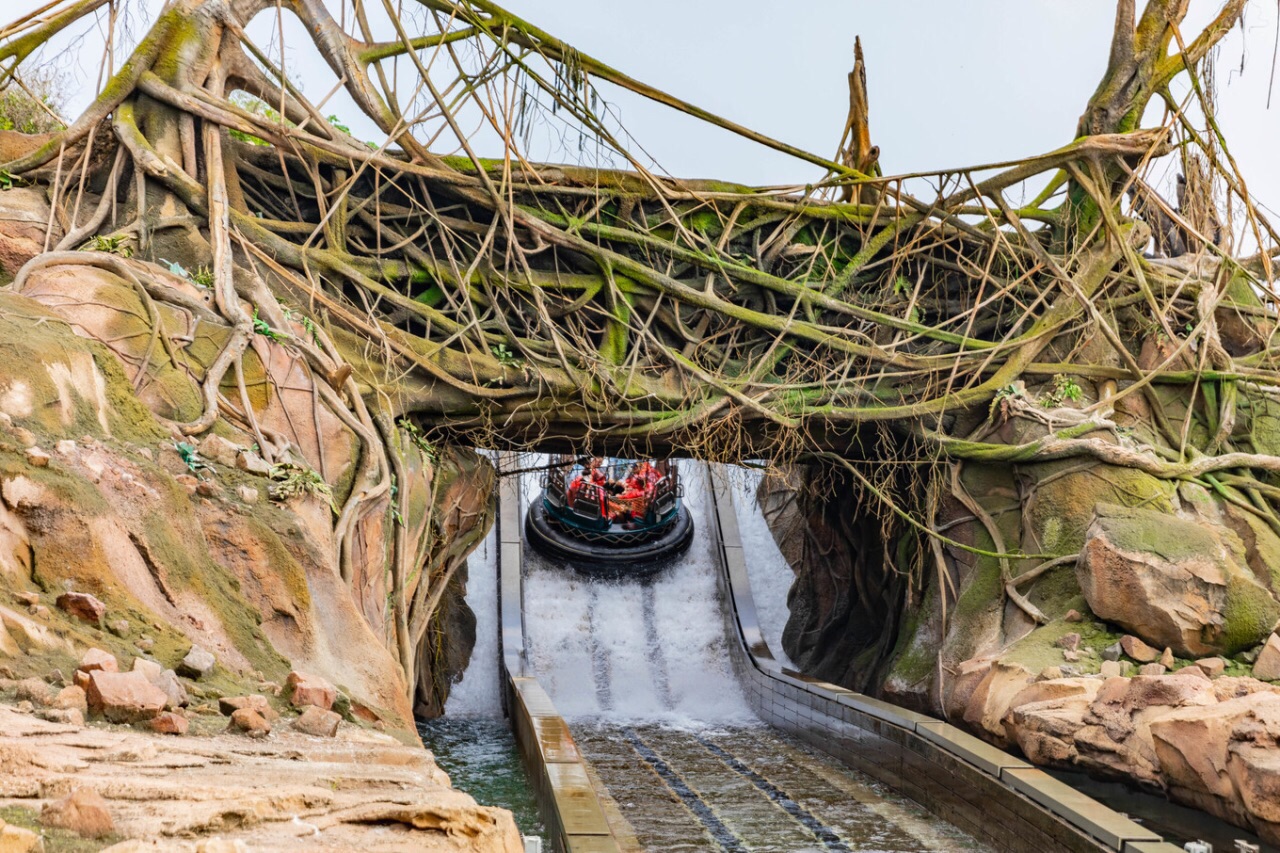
(479, 754)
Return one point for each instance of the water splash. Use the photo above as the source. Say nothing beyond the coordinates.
(628, 651)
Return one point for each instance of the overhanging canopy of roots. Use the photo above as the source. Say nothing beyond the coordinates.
(511, 301)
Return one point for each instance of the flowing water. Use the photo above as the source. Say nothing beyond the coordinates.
(641, 671)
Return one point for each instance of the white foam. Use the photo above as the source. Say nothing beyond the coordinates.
(636, 651)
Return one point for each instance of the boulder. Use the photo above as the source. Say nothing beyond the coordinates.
(310, 690)
(1167, 659)
(96, 660)
(1151, 669)
(1267, 666)
(317, 722)
(1138, 650)
(83, 606)
(149, 668)
(249, 722)
(228, 705)
(169, 723)
(1213, 667)
(71, 698)
(37, 458)
(66, 716)
(197, 664)
(1173, 582)
(1070, 642)
(15, 839)
(251, 462)
(1111, 669)
(82, 811)
(124, 697)
(168, 682)
(218, 449)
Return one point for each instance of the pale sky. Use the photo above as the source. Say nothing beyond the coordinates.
(951, 84)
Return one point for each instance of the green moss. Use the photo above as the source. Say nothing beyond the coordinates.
(914, 658)
(1148, 532)
(191, 569)
(1037, 650)
(128, 418)
(1249, 614)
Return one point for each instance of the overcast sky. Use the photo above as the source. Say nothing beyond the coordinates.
(950, 83)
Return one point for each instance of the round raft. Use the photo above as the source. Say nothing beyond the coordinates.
(620, 519)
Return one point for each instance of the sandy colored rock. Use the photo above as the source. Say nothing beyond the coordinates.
(1166, 659)
(228, 705)
(217, 449)
(196, 664)
(1138, 650)
(169, 723)
(65, 716)
(71, 697)
(1267, 666)
(249, 722)
(96, 660)
(1070, 642)
(83, 606)
(30, 599)
(124, 697)
(249, 461)
(1151, 669)
(36, 457)
(193, 790)
(1111, 669)
(119, 627)
(307, 689)
(15, 839)
(173, 689)
(1213, 667)
(1173, 581)
(149, 668)
(317, 722)
(83, 812)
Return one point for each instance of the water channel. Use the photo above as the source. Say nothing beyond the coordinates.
(640, 670)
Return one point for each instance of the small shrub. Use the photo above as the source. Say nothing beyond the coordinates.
(291, 481)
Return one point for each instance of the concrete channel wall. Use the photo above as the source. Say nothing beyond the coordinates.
(984, 791)
(567, 801)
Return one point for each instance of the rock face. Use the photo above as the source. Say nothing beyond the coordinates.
(1173, 582)
(256, 584)
(124, 697)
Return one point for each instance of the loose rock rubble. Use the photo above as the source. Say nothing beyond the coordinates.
(220, 793)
